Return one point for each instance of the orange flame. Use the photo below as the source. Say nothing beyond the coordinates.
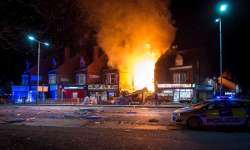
(144, 72)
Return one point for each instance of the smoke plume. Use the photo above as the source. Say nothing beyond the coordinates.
(128, 30)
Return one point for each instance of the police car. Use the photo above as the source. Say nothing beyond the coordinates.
(213, 112)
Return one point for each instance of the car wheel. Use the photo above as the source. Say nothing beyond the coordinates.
(194, 123)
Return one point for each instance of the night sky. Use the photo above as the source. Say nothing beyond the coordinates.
(62, 25)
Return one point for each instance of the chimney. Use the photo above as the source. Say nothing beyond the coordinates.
(95, 53)
(66, 53)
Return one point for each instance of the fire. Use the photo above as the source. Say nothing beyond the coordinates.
(133, 34)
(143, 69)
(144, 73)
(139, 70)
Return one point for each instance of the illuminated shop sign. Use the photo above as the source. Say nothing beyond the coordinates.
(43, 88)
(35, 78)
(20, 88)
(73, 87)
(92, 76)
(229, 93)
(102, 87)
(176, 85)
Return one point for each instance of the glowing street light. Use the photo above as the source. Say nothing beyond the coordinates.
(217, 20)
(222, 9)
(46, 44)
(32, 38)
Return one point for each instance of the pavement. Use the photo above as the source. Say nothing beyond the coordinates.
(78, 127)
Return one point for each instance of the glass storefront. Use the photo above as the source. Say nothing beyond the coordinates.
(177, 92)
(182, 94)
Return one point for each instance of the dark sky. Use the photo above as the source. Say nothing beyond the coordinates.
(194, 20)
(196, 28)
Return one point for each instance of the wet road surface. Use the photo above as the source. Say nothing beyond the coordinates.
(56, 127)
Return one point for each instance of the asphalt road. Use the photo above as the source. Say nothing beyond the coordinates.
(107, 128)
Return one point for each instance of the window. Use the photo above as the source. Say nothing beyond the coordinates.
(25, 79)
(217, 105)
(211, 106)
(52, 78)
(235, 104)
(222, 104)
(180, 77)
(81, 79)
(74, 95)
(111, 78)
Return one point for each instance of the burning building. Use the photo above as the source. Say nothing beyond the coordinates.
(133, 34)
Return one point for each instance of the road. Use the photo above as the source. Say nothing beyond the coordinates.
(67, 127)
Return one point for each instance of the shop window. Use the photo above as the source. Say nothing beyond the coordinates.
(183, 94)
(74, 95)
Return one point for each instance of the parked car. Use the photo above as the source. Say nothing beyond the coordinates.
(214, 112)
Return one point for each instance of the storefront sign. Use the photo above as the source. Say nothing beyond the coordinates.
(204, 87)
(42, 89)
(73, 87)
(176, 85)
(102, 87)
(92, 76)
(168, 92)
(64, 80)
(20, 88)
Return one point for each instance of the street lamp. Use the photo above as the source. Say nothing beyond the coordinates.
(32, 38)
(222, 9)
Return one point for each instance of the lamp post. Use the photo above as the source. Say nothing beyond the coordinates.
(222, 9)
(32, 38)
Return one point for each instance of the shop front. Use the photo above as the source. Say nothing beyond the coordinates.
(28, 94)
(73, 92)
(176, 92)
(103, 92)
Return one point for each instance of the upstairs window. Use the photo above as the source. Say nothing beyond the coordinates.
(180, 77)
(25, 79)
(81, 79)
(111, 78)
(52, 78)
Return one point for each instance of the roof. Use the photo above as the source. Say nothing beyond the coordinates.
(95, 69)
(196, 59)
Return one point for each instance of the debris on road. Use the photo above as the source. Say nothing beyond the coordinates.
(30, 119)
(93, 117)
(131, 112)
(153, 120)
(17, 120)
